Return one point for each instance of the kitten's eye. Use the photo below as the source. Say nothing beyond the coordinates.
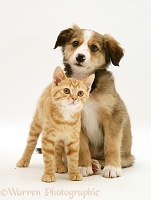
(66, 91)
(75, 43)
(80, 93)
(94, 48)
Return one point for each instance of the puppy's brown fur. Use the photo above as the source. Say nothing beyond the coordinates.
(114, 130)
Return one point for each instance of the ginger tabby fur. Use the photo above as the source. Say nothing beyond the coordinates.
(58, 117)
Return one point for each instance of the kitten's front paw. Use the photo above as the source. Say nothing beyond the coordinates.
(48, 178)
(23, 163)
(111, 172)
(85, 171)
(61, 169)
(75, 176)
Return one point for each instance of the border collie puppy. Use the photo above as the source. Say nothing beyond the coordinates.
(106, 130)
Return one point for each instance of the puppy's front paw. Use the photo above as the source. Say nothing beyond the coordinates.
(85, 171)
(75, 176)
(111, 172)
(48, 178)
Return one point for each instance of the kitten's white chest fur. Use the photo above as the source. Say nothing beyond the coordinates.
(90, 122)
(67, 114)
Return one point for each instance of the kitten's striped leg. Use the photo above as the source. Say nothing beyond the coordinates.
(61, 166)
(34, 133)
(48, 151)
(72, 149)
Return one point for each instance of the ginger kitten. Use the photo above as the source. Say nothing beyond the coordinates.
(58, 117)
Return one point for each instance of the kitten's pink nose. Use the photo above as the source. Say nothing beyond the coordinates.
(73, 98)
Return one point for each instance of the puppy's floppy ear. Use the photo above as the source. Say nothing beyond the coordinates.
(64, 37)
(114, 51)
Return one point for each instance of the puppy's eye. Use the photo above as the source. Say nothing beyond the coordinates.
(80, 93)
(94, 48)
(75, 43)
(66, 90)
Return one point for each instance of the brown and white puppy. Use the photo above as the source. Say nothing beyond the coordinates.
(106, 130)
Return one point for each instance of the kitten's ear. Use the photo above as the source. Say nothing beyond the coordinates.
(58, 76)
(89, 81)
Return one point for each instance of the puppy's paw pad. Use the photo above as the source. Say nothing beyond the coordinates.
(48, 178)
(96, 167)
(85, 171)
(111, 172)
(75, 176)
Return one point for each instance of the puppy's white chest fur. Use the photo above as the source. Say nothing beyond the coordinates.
(90, 122)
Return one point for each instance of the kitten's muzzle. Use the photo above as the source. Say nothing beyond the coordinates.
(74, 99)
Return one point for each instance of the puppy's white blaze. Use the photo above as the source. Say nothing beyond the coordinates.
(83, 48)
(84, 71)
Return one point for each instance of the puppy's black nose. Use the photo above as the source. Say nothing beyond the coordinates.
(80, 57)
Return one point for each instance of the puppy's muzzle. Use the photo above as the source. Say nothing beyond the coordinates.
(80, 57)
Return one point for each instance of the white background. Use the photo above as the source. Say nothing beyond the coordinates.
(28, 31)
